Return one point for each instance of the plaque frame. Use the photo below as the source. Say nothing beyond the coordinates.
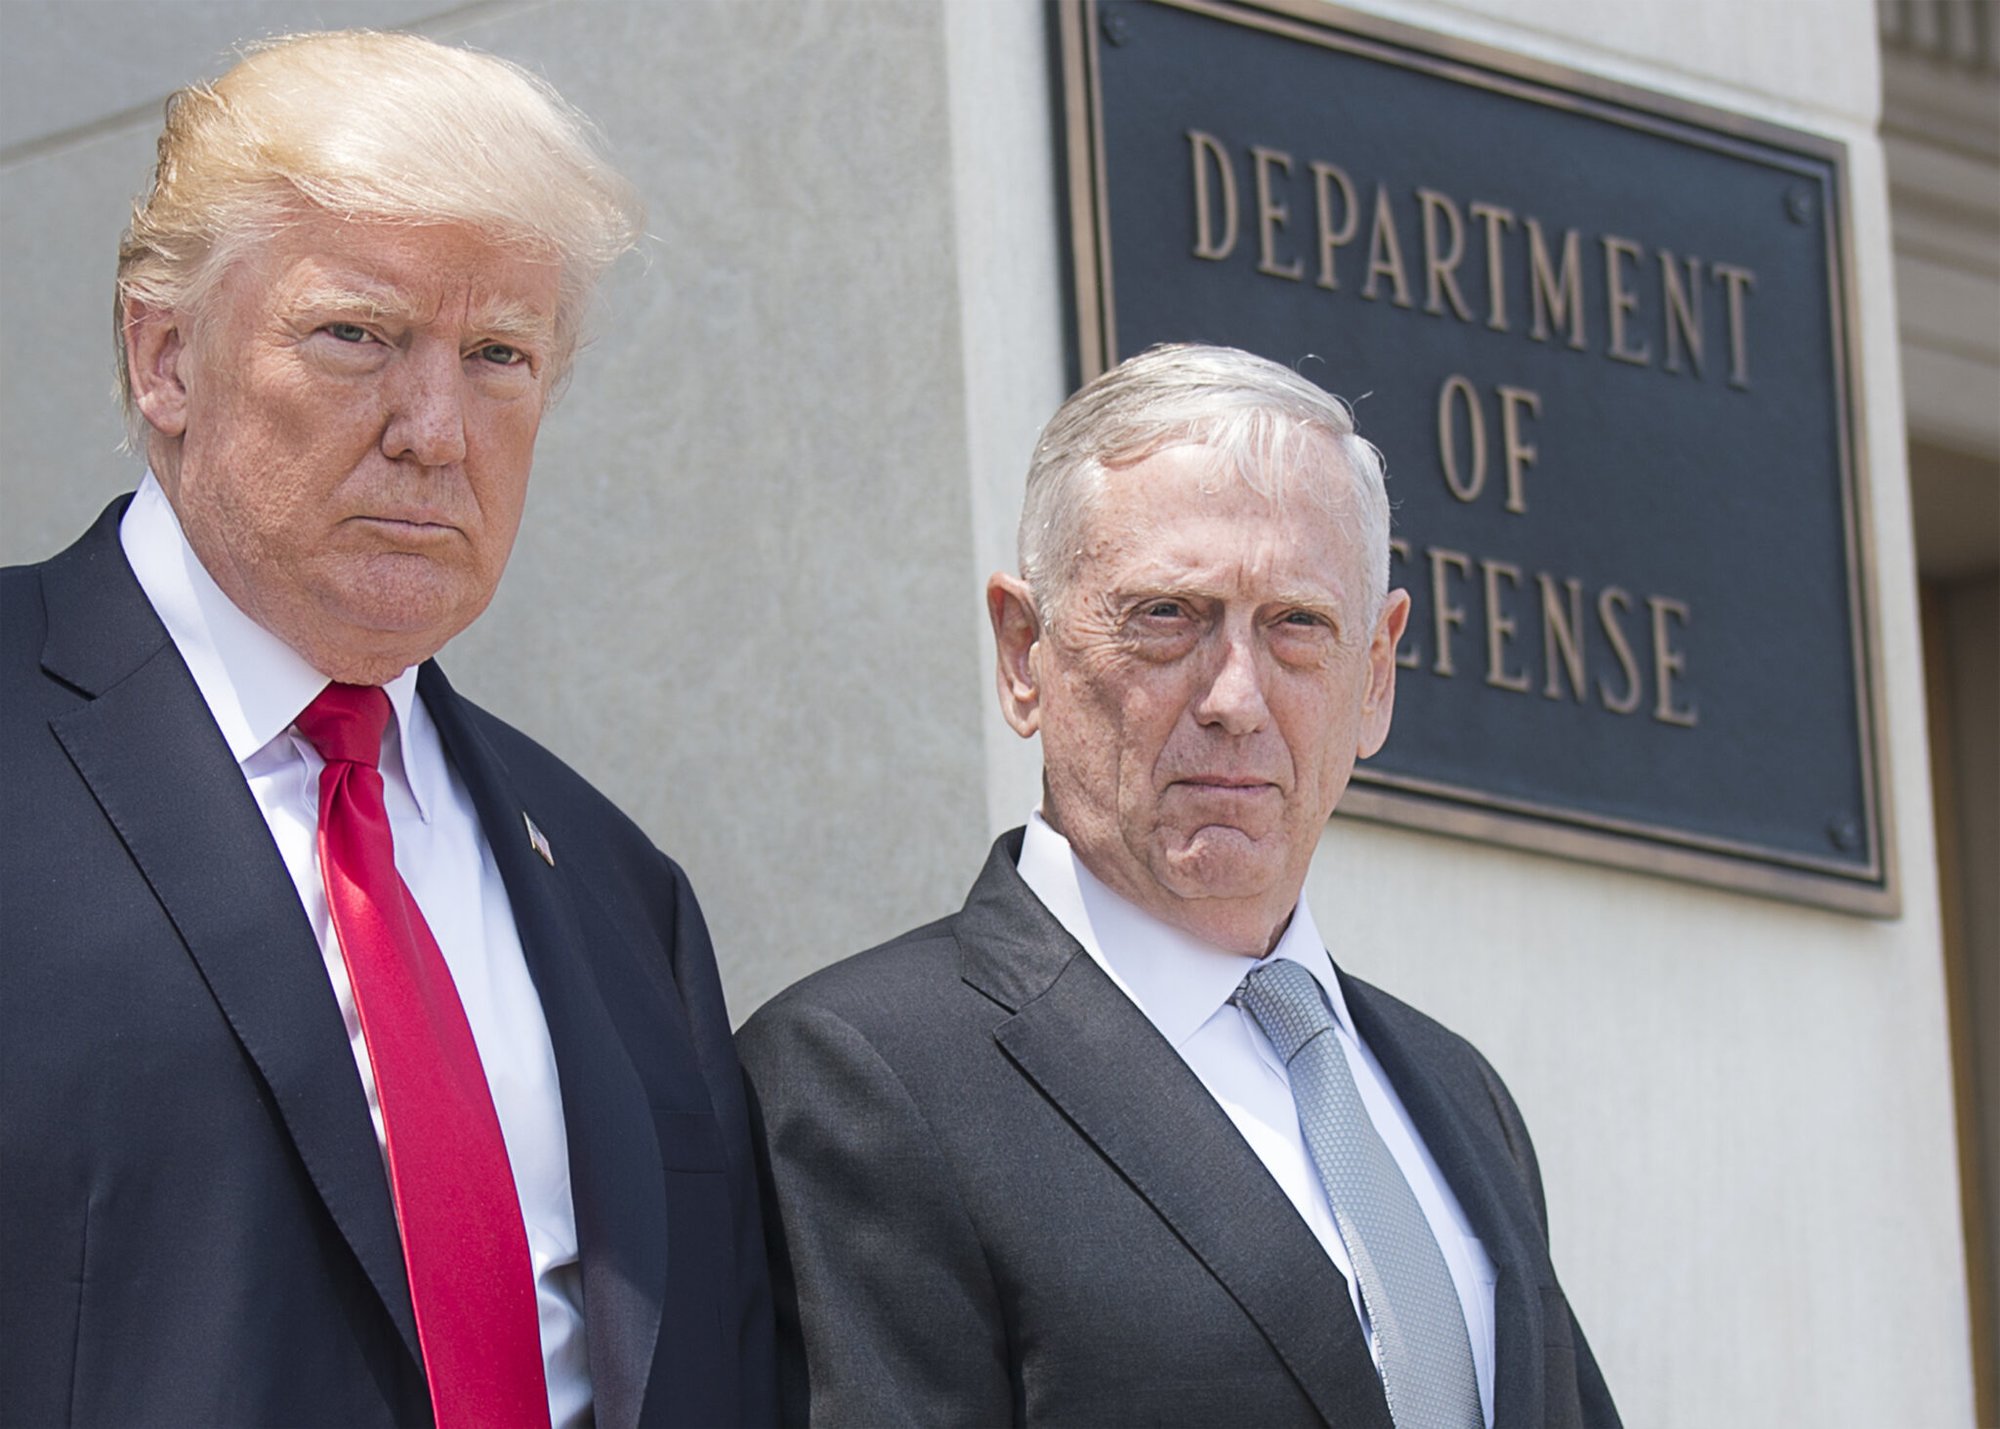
(1871, 888)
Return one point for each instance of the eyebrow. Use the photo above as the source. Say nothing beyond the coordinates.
(507, 319)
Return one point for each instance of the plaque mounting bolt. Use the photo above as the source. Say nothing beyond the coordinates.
(1117, 28)
(1843, 831)
(1799, 204)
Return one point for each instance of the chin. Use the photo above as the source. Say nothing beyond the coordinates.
(372, 646)
(1199, 872)
(408, 612)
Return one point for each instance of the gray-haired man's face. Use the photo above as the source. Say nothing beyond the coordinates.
(1201, 702)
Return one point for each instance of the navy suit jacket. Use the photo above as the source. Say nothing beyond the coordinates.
(195, 1223)
(999, 1196)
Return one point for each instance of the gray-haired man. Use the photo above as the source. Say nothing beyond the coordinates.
(1116, 1142)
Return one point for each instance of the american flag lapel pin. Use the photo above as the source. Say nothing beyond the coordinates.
(538, 840)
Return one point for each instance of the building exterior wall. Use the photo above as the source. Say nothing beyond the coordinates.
(746, 604)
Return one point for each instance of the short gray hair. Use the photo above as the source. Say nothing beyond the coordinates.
(367, 125)
(1264, 424)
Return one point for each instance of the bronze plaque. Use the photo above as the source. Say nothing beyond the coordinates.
(1601, 337)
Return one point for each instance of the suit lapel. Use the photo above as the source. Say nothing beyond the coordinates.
(616, 1184)
(1094, 1054)
(154, 760)
(1478, 1167)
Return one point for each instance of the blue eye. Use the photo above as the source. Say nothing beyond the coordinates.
(347, 332)
(501, 355)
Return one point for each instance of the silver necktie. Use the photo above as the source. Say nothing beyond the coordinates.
(1413, 1308)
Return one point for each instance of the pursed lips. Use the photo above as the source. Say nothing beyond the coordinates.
(1224, 783)
(415, 522)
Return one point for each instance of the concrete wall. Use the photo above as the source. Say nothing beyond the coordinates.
(746, 603)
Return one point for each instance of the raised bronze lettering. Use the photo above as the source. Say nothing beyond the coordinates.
(1619, 300)
(1331, 237)
(1668, 662)
(1609, 601)
(1735, 281)
(1385, 252)
(1500, 626)
(1495, 219)
(1206, 151)
(1557, 298)
(1441, 271)
(1682, 311)
(1446, 616)
(1407, 656)
(1520, 455)
(1272, 215)
(1463, 487)
(1562, 636)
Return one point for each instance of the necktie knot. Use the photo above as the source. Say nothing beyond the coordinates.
(345, 723)
(1285, 1000)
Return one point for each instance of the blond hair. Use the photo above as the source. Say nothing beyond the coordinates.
(385, 127)
(1261, 423)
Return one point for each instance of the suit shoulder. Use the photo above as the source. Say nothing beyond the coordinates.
(888, 984)
(22, 615)
(16, 579)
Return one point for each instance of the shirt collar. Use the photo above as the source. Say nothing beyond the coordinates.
(253, 683)
(1176, 979)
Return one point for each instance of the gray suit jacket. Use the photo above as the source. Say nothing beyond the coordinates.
(997, 1195)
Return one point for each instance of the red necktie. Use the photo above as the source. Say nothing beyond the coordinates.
(471, 1282)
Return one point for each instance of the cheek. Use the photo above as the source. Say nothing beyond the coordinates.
(496, 537)
(243, 481)
(499, 457)
(1327, 758)
(1157, 735)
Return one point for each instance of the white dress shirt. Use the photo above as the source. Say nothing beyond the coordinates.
(255, 685)
(1183, 986)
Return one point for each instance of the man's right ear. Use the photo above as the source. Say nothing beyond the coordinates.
(155, 344)
(1016, 629)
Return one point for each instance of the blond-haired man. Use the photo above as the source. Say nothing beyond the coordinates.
(362, 1065)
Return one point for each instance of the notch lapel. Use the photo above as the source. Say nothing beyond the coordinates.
(1094, 1054)
(145, 745)
(617, 1186)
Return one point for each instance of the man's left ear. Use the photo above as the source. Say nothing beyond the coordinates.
(1378, 703)
(155, 345)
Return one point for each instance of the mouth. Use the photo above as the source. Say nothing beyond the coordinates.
(1224, 784)
(408, 525)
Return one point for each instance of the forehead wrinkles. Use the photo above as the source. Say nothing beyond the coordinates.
(1191, 522)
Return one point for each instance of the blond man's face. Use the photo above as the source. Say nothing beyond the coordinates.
(346, 431)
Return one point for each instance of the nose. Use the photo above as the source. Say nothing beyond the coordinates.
(1234, 699)
(426, 408)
